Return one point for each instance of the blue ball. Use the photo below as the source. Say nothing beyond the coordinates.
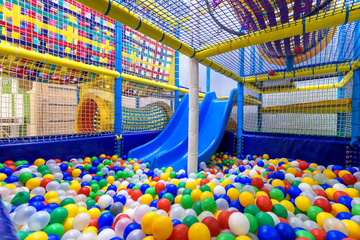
(36, 198)
(294, 191)
(337, 167)
(83, 184)
(326, 186)
(346, 201)
(120, 198)
(282, 189)
(105, 219)
(154, 203)
(95, 163)
(226, 197)
(116, 238)
(11, 179)
(236, 204)
(175, 222)
(130, 185)
(68, 178)
(80, 167)
(65, 174)
(53, 205)
(344, 215)
(47, 209)
(124, 157)
(93, 170)
(285, 231)
(238, 179)
(112, 187)
(53, 237)
(161, 193)
(144, 187)
(350, 169)
(335, 235)
(37, 204)
(171, 188)
(242, 169)
(13, 208)
(260, 163)
(267, 232)
(64, 167)
(279, 175)
(7, 171)
(227, 187)
(129, 228)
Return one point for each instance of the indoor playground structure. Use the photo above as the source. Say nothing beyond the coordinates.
(180, 119)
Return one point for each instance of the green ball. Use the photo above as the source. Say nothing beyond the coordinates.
(20, 198)
(55, 228)
(182, 185)
(91, 182)
(119, 174)
(276, 194)
(2, 166)
(205, 188)
(305, 234)
(280, 211)
(252, 209)
(24, 177)
(103, 183)
(94, 159)
(187, 201)
(135, 187)
(356, 209)
(151, 191)
(187, 191)
(67, 201)
(42, 168)
(313, 211)
(107, 162)
(46, 171)
(87, 167)
(169, 196)
(295, 183)
(90, 202)
(99, 193)
(58, 215)
(197, 208)
(173, 174)
(100, 166)
(125, 174)
(208, 204)
(163, 169)
(264, 218)
(225, 236)
(92, 195)
(254, 226)
(22, 235)
(190, 220)
(100, 174)
(18, 163)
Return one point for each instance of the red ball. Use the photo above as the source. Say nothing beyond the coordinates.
(180, 232)
(223, 219)
(321, 193)
(318, 234)
(85, 191)
(299, 174)
(123, 215)
(45, 182)
(57, 160)
(271, 72)
(12, 167)
(93, 222)
(9, 162)
(349, 179)
(257, 182)
(156, 179)
(129, 191)
(303, 165)
(159, 187)
(323, 204)
(298, 49)
(338, 194)
(283, 220)
(136, 194)
(164, 204)
(213, 225)
(264, 203)
(97, 198)
(204, 181)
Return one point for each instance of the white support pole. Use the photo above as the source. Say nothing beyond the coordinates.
(193, 115)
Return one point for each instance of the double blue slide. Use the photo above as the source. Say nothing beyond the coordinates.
(170, 147)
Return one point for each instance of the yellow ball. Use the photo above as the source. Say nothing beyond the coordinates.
(199, 231)
(206, 194)
(72, 210)
(233, 194)
(37, 236)
(291, 170)
(309, 181)
(39, 162)
(211, 185)
(178, 199)
(303, 203)
(10, 186)
(110, 179)
(352, 192)
(265, 156)
(330, 193)
(337, 208)
(175, 182)
(75, 186)
(91, 229)
(76, 172)
(137, 167)
(278, 183)
(197, 181)
(94, 212)
(343, 172)
(33, 183)
(67, 224)
(321, 217)
(51, 194)
(260, 193)
(353, 228)
(243, 237)
(162, 227)
(196, 194)
(147, 222)
(54, 200)
(246, 199)
(288, 205)
(165, 176)
(114, 157)
(2, 176)
(191, 185)
(146, 199)
(274, 201)
(226, 182)
(49, 176)
(149, 238)
(329, 174)
(82, 209)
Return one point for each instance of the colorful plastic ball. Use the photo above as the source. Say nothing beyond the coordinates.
(276, 194)
(208, 204)
(213, 226)
(313, 211)
(264, 203)
(353, 228)
(55, 228)
(129, 228)
(253, 223)
(187, 201)
(199, 231)
(318, 233)
(303, 203)
(323, 204)
(266, 232)
(38, 221)
(180, 232)
(164, 204)
(285, 231)
(335, 235)
(190, 220)
(105, 219)
(264, 218)
(223, 219)
(37, 236)
(225, 236)
(246, 199)
(239, 223)
(162, 227)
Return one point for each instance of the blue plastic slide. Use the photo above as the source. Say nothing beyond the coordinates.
(170, 147)
(7, 229)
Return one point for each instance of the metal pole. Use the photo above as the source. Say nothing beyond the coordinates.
(118, 84)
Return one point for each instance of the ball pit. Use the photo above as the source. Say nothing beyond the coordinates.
(113, 198)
